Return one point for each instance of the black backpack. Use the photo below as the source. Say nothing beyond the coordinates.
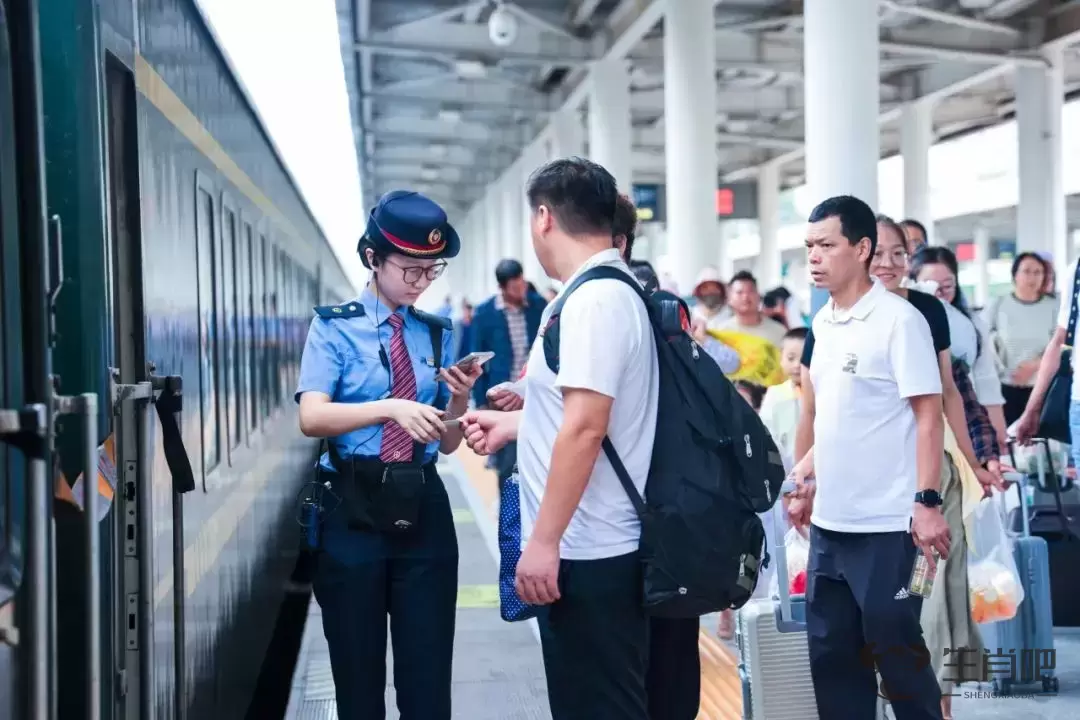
(714, 468)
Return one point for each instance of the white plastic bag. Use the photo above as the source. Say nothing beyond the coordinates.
(798, 556)
(993, 580)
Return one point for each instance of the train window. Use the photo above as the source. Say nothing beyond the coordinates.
(243, 323)
(209, 398)
(275, 327)
(264, 325)
(231, 337)
(287, 282)
(251, 367)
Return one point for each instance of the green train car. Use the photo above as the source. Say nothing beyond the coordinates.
(158, 268)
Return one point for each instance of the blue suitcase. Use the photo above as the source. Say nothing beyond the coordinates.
(1029, 635)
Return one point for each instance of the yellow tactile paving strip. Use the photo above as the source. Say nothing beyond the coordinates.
(721, 691)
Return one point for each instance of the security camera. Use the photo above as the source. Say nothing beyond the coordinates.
(502, 26)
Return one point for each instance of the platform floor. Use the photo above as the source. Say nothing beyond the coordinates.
(498, 670)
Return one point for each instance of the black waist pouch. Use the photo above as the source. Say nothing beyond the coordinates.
(397, 497)
(381, 497)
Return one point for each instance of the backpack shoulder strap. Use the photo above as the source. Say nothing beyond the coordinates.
(601, 272)
(551, 356)
(436, 325)
(550, 330)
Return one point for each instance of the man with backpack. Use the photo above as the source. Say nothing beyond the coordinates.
(614, 369)
(673, 679)
(580, 527)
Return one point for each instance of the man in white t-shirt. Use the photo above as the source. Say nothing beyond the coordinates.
(872, 396)
(580, 531)
(1028, 424)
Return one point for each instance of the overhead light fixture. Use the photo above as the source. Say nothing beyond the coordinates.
(438, 149)
(450, 115)
(502, 26)
(429, 173)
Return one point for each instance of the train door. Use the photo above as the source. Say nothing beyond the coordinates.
(26, 629)
(133, 611)
(154, 664)
(11, 463)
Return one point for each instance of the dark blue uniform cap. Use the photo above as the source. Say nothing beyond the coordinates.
(406, 222)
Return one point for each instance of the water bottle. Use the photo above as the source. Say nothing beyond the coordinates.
(922, 575)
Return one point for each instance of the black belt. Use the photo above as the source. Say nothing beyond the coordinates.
(364, 467)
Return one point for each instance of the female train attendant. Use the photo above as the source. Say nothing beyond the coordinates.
(376, 380)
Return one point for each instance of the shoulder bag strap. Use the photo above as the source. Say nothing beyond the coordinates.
(1070, 332)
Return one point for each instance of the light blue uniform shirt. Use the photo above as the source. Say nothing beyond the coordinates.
(341, 359)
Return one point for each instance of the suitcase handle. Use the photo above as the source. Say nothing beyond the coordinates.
(785, 621)
(1020, 480)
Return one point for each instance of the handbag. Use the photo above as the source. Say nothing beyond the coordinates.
(1054, 418)
(511, 607)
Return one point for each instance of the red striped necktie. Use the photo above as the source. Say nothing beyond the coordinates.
(397, 446)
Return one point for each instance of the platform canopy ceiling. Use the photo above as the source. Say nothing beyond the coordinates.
(438, 106)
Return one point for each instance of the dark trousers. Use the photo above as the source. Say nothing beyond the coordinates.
(596, 641)
(673, 681)
(1016, 399)
(362, 577)
(859, 615)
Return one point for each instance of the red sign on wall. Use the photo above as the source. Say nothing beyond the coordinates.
(725, 202)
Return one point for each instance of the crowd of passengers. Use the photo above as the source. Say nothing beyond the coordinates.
(894, 407)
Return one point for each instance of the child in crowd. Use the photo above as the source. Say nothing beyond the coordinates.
(780, 408)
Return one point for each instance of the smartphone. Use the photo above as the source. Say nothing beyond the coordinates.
(477, 357)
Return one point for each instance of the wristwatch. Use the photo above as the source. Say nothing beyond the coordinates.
(929, 498)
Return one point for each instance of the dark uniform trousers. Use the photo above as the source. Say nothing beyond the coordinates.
(859, 616)
(364, 576)
(595, 641)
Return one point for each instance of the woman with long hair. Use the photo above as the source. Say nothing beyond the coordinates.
(938, 265)
(946, 614)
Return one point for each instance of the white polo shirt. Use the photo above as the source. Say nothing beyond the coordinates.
(605, 345)
(867, 362)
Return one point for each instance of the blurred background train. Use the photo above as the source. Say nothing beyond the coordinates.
(130, 150)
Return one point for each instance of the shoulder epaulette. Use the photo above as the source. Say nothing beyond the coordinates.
(430, 319)
(346, 310)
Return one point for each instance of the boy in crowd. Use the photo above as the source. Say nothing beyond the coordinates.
(780, 408)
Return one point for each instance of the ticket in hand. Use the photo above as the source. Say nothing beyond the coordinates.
(515, 387)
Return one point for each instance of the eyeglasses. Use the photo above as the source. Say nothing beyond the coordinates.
(897, 256)
(413, 273)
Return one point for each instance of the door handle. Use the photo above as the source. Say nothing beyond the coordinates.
(56, 258)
